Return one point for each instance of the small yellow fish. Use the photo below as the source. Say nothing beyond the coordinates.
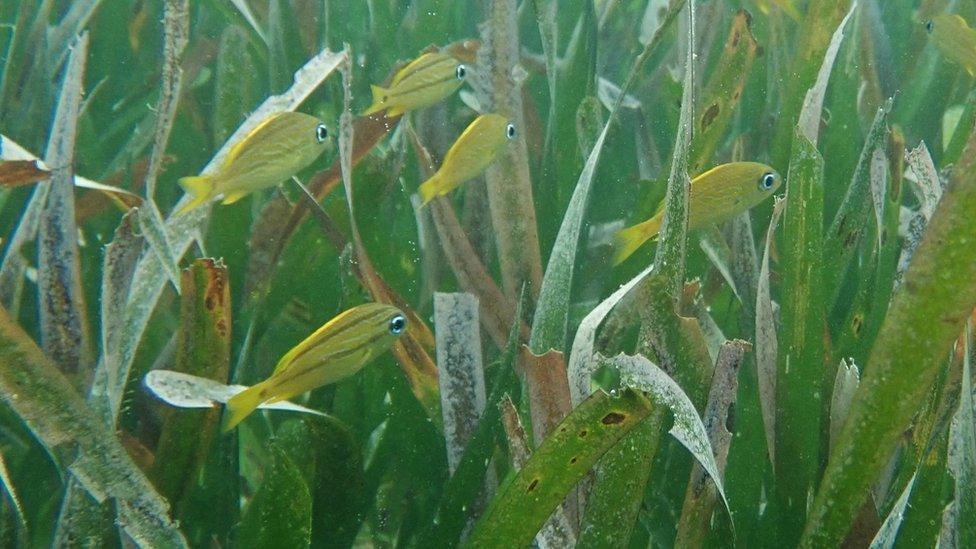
(275, 150)
(425, 81)
(337, 350)
(470, 155)
(717, 195)
(955, 39)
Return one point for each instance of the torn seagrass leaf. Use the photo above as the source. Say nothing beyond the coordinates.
(189, 391)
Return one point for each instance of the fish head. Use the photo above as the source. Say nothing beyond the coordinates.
(494, 130)
(384, 323)
(753, 182)
(392, 325)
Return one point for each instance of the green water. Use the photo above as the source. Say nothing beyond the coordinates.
(746, 341)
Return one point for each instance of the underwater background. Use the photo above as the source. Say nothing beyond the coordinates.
(786, 361)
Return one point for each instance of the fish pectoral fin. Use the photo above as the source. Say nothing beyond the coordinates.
(230, 198)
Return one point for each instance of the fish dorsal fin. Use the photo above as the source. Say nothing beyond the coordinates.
(248, 140)
(420, 63)
(288, 359)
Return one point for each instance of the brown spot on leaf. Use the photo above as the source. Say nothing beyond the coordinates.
(747, 15)
(573, 460)
(222, 327)
(583, 433)
(710, 113)
(532, 485)
(613, 418)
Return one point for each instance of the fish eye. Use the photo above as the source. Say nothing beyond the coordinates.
(767, 181)
(461, 71)
(928, 26)
(321, 133)
(510, 131)
(397, 324)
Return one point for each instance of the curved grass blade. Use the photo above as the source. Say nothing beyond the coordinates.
(722, 92)
(280, 515)
(799, 366)
(928, 190)
(696, 512)
(203, 350)
(552, 313)
(556, 532)
(925, 316)
(50, 407)
(235, 83)
(888, 533)
(843, 237)
(527, 498)
(63, 322)
(581, 363)
(812, 109)
(962, 453)
(8, 486)
(637, 371)
(154, 230)
(813, 40)
(767, 345)
(462, 490)
(248, 16)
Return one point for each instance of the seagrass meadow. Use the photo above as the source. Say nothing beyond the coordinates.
(438, 278)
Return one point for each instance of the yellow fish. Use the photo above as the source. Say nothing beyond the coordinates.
(275, 150)
(955, 39)
(425, 81)
(470, 155)
(717, 195)
(337, 350)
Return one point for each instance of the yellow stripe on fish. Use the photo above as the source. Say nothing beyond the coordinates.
(470, 155)
(717, 195)
(275, 150)
(425, 81)
(337, 350)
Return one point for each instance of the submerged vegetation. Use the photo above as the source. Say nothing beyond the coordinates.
(799, 374)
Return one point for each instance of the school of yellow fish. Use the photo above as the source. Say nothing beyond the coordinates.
(288, 142)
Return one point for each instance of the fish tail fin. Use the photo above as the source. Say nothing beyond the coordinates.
(429, 189)
(380, 95)
(241, 405)
(200, 187)
(628, 240)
